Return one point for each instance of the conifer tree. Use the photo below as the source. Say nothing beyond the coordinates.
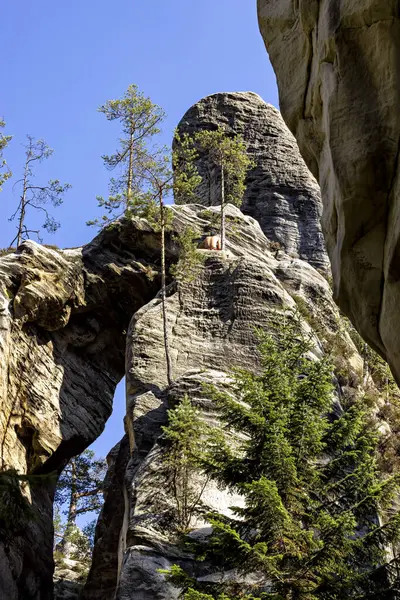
(145, 179)
(228, 155)
(80, 487)
(139, 119)
(158, 174)
(34, 196)
(190, 259)
(318, 519)
(159, 182)
(184, 436)
(186, 175)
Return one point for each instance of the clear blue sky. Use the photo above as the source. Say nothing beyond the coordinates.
(62, 59)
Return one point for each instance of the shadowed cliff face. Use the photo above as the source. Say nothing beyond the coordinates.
(280, 191)
(338, 72)
(63, 321)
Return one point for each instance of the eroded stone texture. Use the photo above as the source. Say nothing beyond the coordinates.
(281, 192)
(338, 72)
(106, 555)
(63, 320)
(211, 329)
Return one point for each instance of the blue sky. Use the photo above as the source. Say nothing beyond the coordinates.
(62, 59)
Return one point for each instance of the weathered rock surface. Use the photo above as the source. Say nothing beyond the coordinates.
(211, 329)
(68, 580)
(281, 192)
(63, 319)
(107, 554)
(338, 72)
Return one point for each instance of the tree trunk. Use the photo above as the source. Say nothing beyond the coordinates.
(222, 207)
(163, 300)
(22, 213)
(21, 221)
(66, 545)
(130, 174)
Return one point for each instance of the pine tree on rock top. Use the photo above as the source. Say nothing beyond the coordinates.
(310, 528)
(144, 180)
(228, 155)
(139, 120)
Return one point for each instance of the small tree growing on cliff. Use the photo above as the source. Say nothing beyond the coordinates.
(140, 120)
(184, 435)
(228, 155)
(145, 180)
(36, 197)
(160, 181)
(80, 486)
(5, 172)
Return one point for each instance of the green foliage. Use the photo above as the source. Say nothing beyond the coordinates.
(80, 551)
(227, 153)
(184, 436)
(186, 175)
(139, 119)
(5, 173)
(227, 156)
(34, 196)
(80, 490)
(310, 483)
(5, 251)
(190, 260)
(81, 483)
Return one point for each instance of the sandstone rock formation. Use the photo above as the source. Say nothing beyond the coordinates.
(67, 316)
(63, 321)
(281, 192)
(211, 328)
(337, 66)
(107, 553)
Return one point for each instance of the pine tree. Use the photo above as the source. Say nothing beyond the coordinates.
(186, 175)
(318, 517)
(5, 173)
(145, 180)
(160, 180)
(80, 486)
(184, 436)
(139, 119)
(190, 259)
(228, 155)
(36, 197)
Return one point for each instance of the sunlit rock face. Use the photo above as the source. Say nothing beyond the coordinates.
(280, 192)
(338, 73)
(63, 321)
(211, 323)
